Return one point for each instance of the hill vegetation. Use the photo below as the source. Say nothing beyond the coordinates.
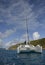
(34, 42)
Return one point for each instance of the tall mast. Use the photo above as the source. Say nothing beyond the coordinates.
(27, 31)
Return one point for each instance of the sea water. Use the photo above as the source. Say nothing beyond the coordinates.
(10, 57)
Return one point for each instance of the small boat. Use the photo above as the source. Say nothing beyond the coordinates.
(27, 47)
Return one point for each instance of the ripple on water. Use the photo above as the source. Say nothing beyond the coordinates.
(12, 58)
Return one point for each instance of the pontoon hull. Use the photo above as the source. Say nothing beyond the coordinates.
(27, 48)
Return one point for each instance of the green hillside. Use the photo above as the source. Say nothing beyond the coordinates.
(34, 42)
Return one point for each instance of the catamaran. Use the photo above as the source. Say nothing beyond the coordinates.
(29, 47)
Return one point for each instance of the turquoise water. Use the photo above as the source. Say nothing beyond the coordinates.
(8, 57)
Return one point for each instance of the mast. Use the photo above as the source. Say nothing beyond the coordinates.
(27, 31)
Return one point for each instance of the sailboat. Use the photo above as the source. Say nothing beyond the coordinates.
(28, 47)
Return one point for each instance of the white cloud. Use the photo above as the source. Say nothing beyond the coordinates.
(12, 42)
(17, 12)
(25, 9)
(23, 38)
(16, 40)
(7, 33)
(36, 35)
(1, 43)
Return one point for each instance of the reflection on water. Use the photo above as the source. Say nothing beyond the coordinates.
(32, 58)
(8, 57)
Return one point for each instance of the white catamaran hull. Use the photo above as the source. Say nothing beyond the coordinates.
(29, 48)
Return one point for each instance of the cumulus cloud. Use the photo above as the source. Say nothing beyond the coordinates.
(12, 42)
(7, 33)
(36, 35)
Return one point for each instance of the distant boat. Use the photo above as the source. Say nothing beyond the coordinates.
(29, 48)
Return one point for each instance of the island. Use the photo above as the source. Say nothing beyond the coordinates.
(34, 42)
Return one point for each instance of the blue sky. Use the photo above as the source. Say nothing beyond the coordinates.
(13, 15)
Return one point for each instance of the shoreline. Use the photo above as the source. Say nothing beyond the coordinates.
(43, 48)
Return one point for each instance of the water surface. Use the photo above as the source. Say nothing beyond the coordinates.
(9, 57)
